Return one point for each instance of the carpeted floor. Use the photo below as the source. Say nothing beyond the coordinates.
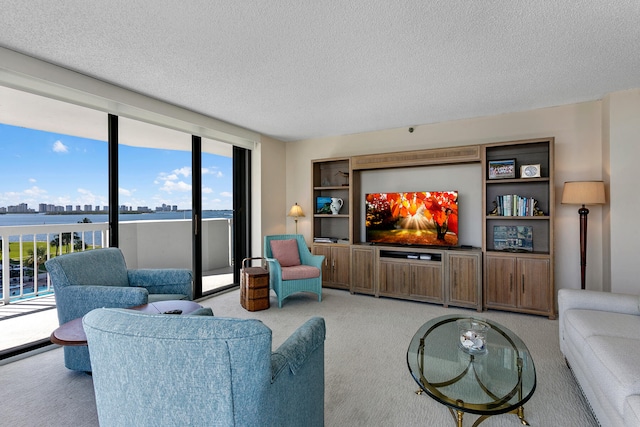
(367, 379)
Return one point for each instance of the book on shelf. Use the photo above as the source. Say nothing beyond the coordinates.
(340, 240)
(323, 240)
(514, 205)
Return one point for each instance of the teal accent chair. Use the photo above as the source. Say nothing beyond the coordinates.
(83, 281)
(165, 370)
(287, 278)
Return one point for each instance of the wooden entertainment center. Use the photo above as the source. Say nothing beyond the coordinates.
(514, 273)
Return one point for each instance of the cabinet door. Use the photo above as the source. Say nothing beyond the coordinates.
(426, 281)
(534, 284)
(326, 265)
(463, 280)
(340, 266)
(501, 282)
(394, 278)
(362, 270)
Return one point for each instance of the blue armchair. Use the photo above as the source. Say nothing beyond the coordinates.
(292, 268)
(83, 281)
(164, 370)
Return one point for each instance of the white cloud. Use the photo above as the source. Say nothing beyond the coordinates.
(212, 202)
(212, 171)
(125, 192)
(184, 171)
(207, 190)
(88, 198)
(178, 187)
(226, 194)
(174, 174)
(35, 191)
(59, 147)
(32, 180)
(62, 200)
(170, 181)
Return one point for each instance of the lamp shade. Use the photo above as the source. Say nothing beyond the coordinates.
(295, 211)
(583, 193)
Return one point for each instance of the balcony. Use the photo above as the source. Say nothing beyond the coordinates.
(27, 304)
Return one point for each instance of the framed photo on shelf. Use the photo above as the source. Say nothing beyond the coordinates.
(502, 169)
(513, 238)
(323, 205)
(530, 171)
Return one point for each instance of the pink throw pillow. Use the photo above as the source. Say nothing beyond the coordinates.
(286, 252)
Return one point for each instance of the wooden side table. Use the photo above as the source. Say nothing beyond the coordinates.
(254, 287)
(72, 332)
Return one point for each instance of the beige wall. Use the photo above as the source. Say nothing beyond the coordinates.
(577, 129)
(270, 158)
(622, 137)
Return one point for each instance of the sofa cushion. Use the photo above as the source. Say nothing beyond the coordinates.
(615, 366)
(298, 272)
(286, 252)
(203, 311)
(632, 411)
(582, 324)
(166, 297)
(99, 267)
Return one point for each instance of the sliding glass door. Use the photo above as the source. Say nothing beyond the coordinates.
(175, 195)
(216, 195)
(138, 194)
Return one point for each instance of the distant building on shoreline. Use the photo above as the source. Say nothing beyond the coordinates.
(69, 209)
(167, 208)
(21, 208)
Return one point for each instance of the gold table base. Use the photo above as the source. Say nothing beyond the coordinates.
(458, 415)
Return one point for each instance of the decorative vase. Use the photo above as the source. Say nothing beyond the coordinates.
(473, 335)
(336, 205)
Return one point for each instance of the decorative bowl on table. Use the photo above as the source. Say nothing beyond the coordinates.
(473, 335)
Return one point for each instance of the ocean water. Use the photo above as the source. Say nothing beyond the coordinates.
(40, 219)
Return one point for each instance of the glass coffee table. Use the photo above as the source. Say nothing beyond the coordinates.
(498, 378)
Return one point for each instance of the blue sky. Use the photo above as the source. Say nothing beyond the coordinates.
(43, 167)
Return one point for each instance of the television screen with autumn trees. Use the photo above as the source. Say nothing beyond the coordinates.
(414, 218)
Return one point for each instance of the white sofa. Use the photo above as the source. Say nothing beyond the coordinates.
(600, 339)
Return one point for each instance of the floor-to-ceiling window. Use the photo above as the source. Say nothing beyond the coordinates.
(55, 172)
(154, 180)
(217, 215)
(154, 195)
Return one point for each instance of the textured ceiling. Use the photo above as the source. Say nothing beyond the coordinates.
(298, 69)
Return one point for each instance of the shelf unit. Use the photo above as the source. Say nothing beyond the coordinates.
(412, 274)
(463, 279)
(328, 180)
(331, 178)
(442, 276)
(335, 270)
(363, 272)
(520, 277)
(491, 278)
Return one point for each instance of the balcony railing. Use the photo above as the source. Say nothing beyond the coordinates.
(145, 244)
(23, 274)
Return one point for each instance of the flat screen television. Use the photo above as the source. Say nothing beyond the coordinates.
(413, 218)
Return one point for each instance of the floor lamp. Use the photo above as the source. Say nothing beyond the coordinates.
(583, 193)
(295, 212)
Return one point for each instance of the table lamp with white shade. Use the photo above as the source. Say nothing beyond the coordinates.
(296, 212)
